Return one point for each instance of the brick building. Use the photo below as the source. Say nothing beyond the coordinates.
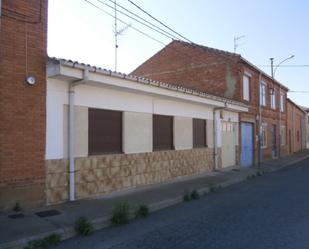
(296, 128)
(23, 35)
(231, 76)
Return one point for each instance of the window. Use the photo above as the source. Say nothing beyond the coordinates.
(104, 131)
(273, 99)
(263, 142)
(246, 87)
(297, 136)
(162, 132)
(282, 102)
(263, 94)
(282, 135)
(199, 133)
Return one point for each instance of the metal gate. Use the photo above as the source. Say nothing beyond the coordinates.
(246, 158)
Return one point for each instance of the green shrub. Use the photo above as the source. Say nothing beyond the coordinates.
(259, 173)
(187, 197)
(212, 188)
(17, 207)
(194, 195)
(142, 211)
(121, 214)
(47, 242)
(83, 226)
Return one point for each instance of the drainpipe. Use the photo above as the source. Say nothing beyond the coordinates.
(72, 133)
(215, 153)
(260, 124)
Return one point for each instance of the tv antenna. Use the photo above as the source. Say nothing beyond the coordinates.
(117, 33)
(236, 44)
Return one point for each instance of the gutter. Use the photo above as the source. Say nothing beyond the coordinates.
(72, 86)
(215, 132)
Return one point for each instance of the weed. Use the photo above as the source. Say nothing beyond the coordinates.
(186, 197)
(46, 242)
(83, 226)
(194, 195)
(17, 207)
(212, 188)
(121, 214)
(142, 211)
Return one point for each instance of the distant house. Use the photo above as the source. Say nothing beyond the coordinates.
(231, 76)
(114, 131)
(297, 121)
(306, 109)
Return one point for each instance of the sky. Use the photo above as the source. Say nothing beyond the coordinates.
(271, 28)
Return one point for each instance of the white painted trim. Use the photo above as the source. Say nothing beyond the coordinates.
(98, 79)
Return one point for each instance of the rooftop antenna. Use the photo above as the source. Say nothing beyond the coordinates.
(236, 44)
(117, 32)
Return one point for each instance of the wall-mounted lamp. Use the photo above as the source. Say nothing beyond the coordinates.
(30, 80)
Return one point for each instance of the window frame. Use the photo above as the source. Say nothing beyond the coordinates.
(273, 100)
(195, 124)
(282, 102)
(157, 121)
(263, 136)
(263, 94)
(97, 145)
(249, 77)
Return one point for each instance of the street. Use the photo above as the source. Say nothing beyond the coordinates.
(269, 211)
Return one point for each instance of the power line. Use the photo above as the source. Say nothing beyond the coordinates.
(144, 11)
(298, 91)
(139, 31)
(305, 65)
(121, 12)
(150, 23)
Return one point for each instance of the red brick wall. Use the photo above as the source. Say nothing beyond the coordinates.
(23, 42)
(219, 73)
(269, 116)
(294, 126)
(194, 67)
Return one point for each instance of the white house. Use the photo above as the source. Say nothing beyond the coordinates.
(127, 131)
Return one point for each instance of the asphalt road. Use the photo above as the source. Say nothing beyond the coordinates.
(269, 211)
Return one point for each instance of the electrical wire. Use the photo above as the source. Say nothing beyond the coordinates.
(305, 65)
(186, 55)
(298, 91)
(156, 28)
(123, 22)
(144, 11)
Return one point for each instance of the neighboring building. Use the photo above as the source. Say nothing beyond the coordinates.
(23, 39)
(296, 127)
(306, 109)
(231, 76)
(130, 131)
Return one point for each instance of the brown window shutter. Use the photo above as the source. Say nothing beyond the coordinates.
(199, 133)
(162, 132)
(105, 131)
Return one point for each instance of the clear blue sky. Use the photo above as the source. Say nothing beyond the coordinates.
(277, 28)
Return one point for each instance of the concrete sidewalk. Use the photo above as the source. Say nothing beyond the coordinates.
(27, 226)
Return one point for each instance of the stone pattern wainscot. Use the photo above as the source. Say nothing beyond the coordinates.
(97, 175)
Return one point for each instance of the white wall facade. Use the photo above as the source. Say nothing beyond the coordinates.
(137, 111)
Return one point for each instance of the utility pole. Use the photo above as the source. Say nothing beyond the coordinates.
(116, 34)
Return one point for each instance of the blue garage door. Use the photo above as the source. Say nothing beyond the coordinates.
(246, 159)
